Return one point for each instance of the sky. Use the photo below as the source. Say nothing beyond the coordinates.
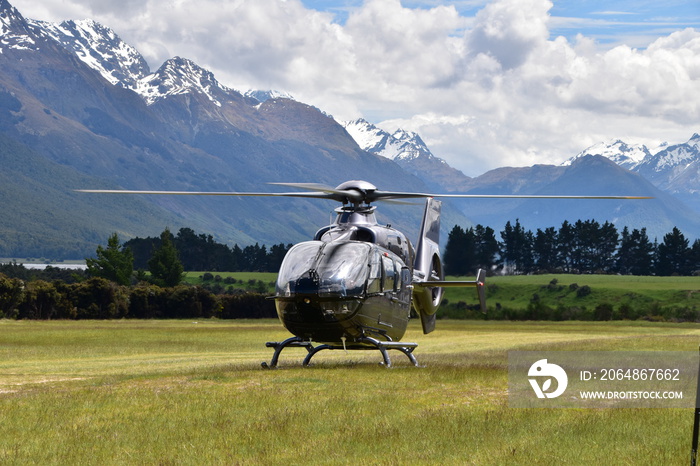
(485, 83)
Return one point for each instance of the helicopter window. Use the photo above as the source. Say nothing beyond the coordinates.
(298, 262)
(374, 284)
(329, 269)
(405, 277)
(343, 269)
(389, 274)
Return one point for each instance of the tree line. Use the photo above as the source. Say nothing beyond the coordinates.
(99, 298)
(112, 287)
(580, 247)
(201, 252)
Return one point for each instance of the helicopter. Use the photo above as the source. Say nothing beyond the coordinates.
(353, 286)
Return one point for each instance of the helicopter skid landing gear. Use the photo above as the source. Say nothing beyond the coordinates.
(382, 346)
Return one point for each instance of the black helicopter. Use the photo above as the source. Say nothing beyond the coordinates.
(354, 284)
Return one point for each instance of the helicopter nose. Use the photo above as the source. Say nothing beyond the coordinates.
(312, 309)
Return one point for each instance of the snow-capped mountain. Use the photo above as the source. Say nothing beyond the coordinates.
(400, 146)
(672, 168)
(625, 155)
(80, 104)
(15, 33)
(68, 121)
(264, 96)
(408, 150)
(100, 48)
(676, 170)
(673, 158)
(180, 76)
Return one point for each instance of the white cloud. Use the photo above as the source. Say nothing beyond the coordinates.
(484, 91)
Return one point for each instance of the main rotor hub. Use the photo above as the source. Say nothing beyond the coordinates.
(363, 187)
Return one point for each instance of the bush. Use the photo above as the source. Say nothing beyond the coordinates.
(147, 301)
(603, 311)
(11, 295)
(44, 300)
(190, 302)
(98, 298)
(584, 291)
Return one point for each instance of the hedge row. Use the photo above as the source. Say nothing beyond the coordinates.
(97, 298)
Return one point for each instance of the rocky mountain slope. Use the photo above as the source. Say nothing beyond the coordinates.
(79, 108)
(410, 152)
(176, 128)
(675, 168)
(603, 169)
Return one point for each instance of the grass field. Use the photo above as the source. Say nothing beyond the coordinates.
(183, 392)
(261, 282)
(576, 296)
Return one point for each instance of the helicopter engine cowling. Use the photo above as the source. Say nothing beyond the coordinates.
(428, 267)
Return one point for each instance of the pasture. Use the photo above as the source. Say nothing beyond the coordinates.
(184, 392)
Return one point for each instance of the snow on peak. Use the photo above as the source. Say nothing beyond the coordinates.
(412, 143)
(678, 155)
(100, 48)
(14, 29)
(401, 145)
(639, 158)
(263, 96)
(180, 76)
(626, 155)
(367, 136)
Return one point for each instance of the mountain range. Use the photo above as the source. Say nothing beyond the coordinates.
(79, 108)
(669, 173)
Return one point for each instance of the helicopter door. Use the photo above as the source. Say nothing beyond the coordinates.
(389, 275)
(374, 282)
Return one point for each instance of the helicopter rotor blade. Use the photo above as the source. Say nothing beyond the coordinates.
(359, 192)
(315, 195)
(379, 195)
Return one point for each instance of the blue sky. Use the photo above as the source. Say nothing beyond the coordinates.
(485, 83)
(612, 22)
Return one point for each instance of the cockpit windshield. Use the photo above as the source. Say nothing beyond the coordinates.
(327, 269)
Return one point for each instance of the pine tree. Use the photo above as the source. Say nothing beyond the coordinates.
(545, 249)
(164, 265)
(674, 254)
(457, 252)
(486, 246)
(112, 263)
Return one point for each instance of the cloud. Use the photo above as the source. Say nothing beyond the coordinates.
(509, 30)
(483, 91)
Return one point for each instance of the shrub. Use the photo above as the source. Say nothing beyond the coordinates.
(603, 311)
(11, 294)
(43, 301)
(98, 298)
(584, 291)
(147, 301)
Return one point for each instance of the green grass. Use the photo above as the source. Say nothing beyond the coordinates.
(184, 392)
(656, 296)
(261, 282)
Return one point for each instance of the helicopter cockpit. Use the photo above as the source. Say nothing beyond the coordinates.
(338, 269)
